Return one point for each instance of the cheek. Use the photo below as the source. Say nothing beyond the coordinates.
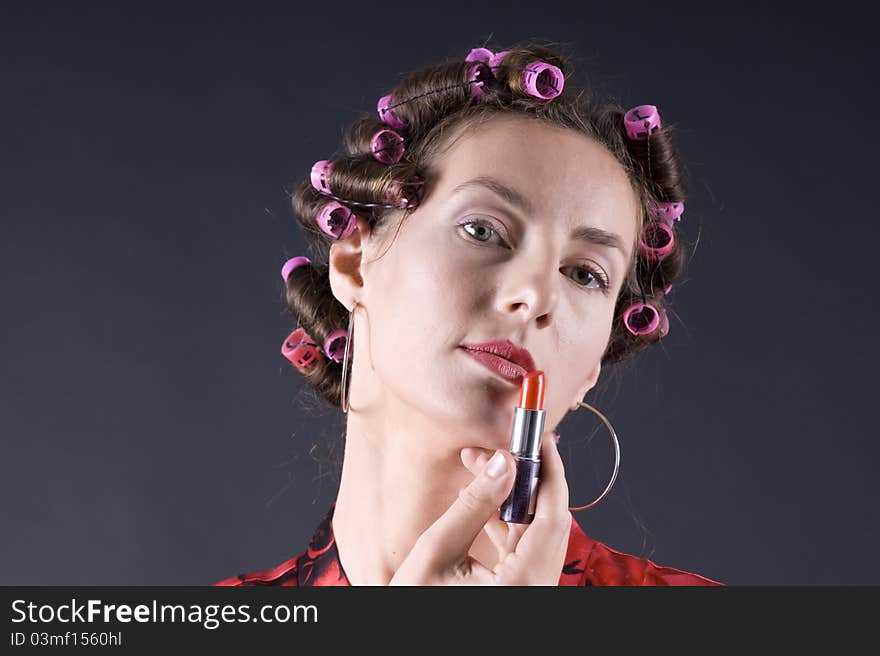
(412, 300)
(583, 344)
(442, 269)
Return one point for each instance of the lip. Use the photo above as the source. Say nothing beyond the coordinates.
(508, 370)
(507, 350)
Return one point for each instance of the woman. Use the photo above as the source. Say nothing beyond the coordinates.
(487, 202)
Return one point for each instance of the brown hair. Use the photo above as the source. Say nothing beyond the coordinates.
(439, 107)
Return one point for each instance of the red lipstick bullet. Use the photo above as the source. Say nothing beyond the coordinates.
(525, 445)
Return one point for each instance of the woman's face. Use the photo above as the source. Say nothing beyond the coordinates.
(468, 266)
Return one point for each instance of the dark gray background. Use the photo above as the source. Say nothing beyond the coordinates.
(153, 434)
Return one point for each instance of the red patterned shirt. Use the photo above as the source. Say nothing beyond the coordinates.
(587, 562)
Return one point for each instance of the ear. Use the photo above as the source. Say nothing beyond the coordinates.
(346, 265)
(591, 382)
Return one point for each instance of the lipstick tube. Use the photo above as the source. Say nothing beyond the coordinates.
(525, 445)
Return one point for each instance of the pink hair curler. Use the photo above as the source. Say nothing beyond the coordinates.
(543, 80)
(667, 212)
(656, 241)
(664, 323)
(293, 263)
(397, 192)
(336, 220)
(301, 349)
(479, 74)
(334, 345)
(641, 318)
(495, 60)
(479, 55)
(320, 175)
(641, 121)
(387, 115)
(387, 146)
(486, 56)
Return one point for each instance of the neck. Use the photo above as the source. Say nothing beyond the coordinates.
(398, 478)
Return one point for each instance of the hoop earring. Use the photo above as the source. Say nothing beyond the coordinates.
(616, 458)
(348, 338)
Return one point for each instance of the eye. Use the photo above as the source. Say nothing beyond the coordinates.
(597, 274)
(487, 229)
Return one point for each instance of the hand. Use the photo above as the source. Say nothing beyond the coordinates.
(530, 554)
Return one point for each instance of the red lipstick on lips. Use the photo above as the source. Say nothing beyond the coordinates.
(525, 445)
(503, 357)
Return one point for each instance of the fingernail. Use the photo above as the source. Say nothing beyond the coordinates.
(496, 465)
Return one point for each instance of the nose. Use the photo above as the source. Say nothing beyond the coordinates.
(530, 286)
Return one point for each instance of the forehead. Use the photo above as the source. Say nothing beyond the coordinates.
(562, 172)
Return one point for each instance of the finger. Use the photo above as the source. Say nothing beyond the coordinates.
(475, 458)
(514, 535)
(447, 541)
(549, 530)
(505, 536)
(553, 488)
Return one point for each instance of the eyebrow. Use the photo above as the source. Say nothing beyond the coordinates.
(512, 197)
(508, 194)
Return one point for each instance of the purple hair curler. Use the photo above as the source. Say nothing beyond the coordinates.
(320, 175)
(334, 345)
(387, 146)
(293, 263)
(656, 241)
(641, 121)
(543, 80)
(667, 212)
(387, 115)
(336, 220)
(495, 60)
(398, 191)
(664, 323)
(641, 318)
(479, 55)
(480, 73)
